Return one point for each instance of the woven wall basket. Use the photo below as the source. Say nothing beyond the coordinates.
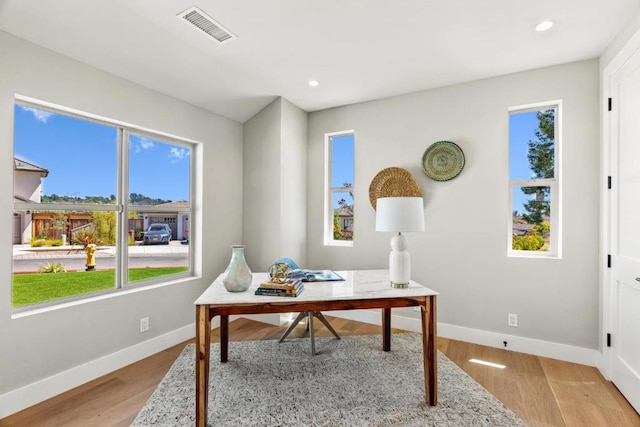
(393, 182)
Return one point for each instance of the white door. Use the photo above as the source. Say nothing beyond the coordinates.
(624, 284)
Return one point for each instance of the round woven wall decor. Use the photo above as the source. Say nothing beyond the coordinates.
(443, 161)
(393, 182)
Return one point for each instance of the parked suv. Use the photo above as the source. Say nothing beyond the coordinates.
(157, 233)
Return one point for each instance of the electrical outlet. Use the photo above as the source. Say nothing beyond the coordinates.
(512, 320)
(144, 324)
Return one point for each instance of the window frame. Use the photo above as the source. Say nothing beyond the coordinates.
(329, 191)
(554, 184)
(122, 207)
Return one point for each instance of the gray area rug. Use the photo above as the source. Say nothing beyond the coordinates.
(350, 382)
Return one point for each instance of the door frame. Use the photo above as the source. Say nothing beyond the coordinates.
(607, 133)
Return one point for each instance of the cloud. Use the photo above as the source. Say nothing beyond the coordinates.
(144, 144)
(178, 154)
(41, 116)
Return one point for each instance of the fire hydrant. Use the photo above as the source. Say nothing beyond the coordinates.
(91, 256)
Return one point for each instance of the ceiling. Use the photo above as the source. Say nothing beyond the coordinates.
(358, 50)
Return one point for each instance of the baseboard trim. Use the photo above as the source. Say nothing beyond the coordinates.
(568, 353)
(39, 391)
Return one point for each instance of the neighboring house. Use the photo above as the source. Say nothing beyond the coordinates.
(520, 229)
(345, 215)
(27, 187)
(179, 221)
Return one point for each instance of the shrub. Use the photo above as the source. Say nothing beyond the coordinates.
(528, 242)
(52, 268)
(85, 237)
(36, 243)
(542, 229)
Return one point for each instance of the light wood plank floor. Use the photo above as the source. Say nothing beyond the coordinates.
(543, 392)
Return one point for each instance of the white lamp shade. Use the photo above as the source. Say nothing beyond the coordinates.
(399, 214)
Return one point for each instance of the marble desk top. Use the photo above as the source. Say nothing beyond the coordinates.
(358, 285)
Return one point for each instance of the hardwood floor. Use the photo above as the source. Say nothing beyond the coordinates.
(543, 392)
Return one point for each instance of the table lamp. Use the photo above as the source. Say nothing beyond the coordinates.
(399, 214)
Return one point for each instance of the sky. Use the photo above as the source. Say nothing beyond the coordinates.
(81, 157)
(342, 156)
(522, 127)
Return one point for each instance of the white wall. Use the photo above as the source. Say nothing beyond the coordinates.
(620, 40)
(37, 346)
(293, 182)
(262, 192)
(462, 253)
(28, 185)
(275, 142)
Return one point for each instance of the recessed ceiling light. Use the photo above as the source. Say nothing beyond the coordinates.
(313, 83)
(544, 25)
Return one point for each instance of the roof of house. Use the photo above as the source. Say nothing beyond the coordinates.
(178, 204)
(346, 211)
(21, 165)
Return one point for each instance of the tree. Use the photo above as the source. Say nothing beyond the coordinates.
(542, 163)
(104, 226)
(59, 223)
(337, 230)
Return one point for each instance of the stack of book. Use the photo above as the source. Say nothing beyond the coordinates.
(290, 288)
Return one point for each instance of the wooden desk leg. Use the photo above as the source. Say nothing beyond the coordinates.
(203, 343)
(224, 338)
(429, 350)
(386, 329)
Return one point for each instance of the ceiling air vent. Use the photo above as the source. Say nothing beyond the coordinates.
(208, 25)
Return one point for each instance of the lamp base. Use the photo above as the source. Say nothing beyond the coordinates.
(399, 285)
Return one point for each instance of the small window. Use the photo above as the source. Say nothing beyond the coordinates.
(339, 184)
(534, 135)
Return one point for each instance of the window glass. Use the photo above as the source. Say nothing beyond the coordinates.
(531, 229)
(55, 263)
(340, 201)
(159, 207)
(75, 158)
(533, 179)
(74, 228)
(158, 172)
(342, 160)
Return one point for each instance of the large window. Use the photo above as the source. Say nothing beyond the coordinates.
(339, 187)
(534, 142)
(98, 206)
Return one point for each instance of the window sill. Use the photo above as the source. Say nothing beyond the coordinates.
(340, 243)
(533, 255)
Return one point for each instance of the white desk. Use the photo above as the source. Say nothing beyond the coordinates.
(361, 289)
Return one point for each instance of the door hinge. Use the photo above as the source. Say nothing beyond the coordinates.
(610, 106)
(609, 182)
(608, 261)
(608, 340)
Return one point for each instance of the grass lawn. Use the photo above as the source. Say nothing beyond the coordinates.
(40, 287)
